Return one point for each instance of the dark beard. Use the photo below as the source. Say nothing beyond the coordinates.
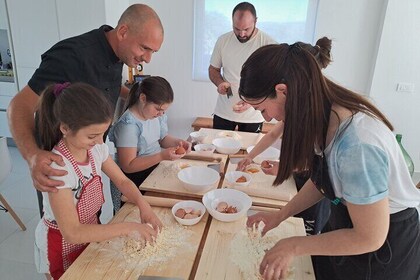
(245, 39)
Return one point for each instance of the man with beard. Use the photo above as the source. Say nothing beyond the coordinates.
(230, 52)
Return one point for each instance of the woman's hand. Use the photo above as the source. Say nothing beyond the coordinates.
(276, 262)
(270, 219)
(244, 163)
(270, 167)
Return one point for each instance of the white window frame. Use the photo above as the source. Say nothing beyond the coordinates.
(201, 61)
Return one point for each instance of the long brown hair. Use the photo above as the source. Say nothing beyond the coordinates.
(157, 90)
(76, 105)
(308, 101)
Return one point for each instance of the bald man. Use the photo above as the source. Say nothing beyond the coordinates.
(230, 52)
(96, 58)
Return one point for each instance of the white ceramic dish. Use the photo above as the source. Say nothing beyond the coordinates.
(232, 176)
(232, 197)
(270, 153)
(189, 204)
(198, 136)
(205, 149)
(198, 179)
(228, 134)
(228, 146)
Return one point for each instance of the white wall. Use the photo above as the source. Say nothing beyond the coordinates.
(174, 62)
(354, 39)
(398, 61)
(354, 48)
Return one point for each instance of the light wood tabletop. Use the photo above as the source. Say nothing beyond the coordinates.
(105, 260)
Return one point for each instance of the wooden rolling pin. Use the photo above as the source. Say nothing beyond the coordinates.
(161, 201)
(202, 158)
(170, 202)
(273, 193)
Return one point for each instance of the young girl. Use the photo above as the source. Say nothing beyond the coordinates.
(72, 121)
(141, 134)
(348, 146)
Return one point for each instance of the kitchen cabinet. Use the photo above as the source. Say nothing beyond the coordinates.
(35, 26)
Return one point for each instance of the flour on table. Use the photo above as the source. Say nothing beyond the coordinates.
(139, 255)
(248, 248)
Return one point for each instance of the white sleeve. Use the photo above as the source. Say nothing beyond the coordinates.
(216, 56)
(70, 179)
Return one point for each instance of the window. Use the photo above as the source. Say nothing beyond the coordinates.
(286, 21)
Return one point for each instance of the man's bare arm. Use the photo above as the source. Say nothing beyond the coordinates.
(217, 79)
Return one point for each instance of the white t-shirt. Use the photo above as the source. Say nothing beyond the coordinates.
(366, 165)
(230, 54)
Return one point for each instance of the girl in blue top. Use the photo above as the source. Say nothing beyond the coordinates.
(141, 133)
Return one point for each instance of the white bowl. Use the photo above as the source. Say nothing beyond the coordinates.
(227, 146)
(189, 204)
(270, 153)
(198, 179)
(232, 197)
(228, 134)
(198, 136)
(205, 149)
(232, 176)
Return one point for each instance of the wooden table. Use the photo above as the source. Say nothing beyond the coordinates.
(209, 258)
(164, 178)
(97, 261)
(261, 189)
(216, 261)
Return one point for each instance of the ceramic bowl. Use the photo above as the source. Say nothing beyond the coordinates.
(232, 176)
(270, 153)
(191, 204)
(232, 197)
(205, 149)
(228, 134)
(198, 179)
(198, 136)
(227, 146)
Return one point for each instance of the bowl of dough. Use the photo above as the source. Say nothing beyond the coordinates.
(227, 205)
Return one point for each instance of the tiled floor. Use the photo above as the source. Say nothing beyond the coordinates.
(16, 246)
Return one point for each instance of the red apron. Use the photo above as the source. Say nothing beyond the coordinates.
(62, 254)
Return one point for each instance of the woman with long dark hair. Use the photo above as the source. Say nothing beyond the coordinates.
(348, 146)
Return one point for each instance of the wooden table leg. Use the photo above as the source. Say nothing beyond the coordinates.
(14, 215)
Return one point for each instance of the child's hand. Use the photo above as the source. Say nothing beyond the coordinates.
(186, 145)
(169, 154)
(147, 216)
(146, 231)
